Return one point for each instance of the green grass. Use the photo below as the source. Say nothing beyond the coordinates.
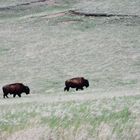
(3, 50)
(43, 50)
(12, 122)
(82, 115)
(72, 116)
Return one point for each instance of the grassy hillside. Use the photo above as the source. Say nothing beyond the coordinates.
(42, 45)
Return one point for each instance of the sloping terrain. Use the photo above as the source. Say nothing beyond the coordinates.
(42, 44)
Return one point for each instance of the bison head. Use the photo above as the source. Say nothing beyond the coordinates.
(27, 90)
(86, 83)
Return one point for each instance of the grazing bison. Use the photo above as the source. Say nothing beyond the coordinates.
(77, 82)
(15, 89)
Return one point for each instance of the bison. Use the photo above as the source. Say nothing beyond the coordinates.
(15, 89)
(77, 82)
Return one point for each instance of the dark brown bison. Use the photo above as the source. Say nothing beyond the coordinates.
(15, 89)
(77, 82)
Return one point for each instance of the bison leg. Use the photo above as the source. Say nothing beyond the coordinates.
(19, 95)
(5, 95)
(66, 88)
(14, 95)
(79, 88)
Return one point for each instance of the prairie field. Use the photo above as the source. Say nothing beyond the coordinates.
(42, 44)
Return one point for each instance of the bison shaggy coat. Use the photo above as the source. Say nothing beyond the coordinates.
(15, 89)
(77, 82)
